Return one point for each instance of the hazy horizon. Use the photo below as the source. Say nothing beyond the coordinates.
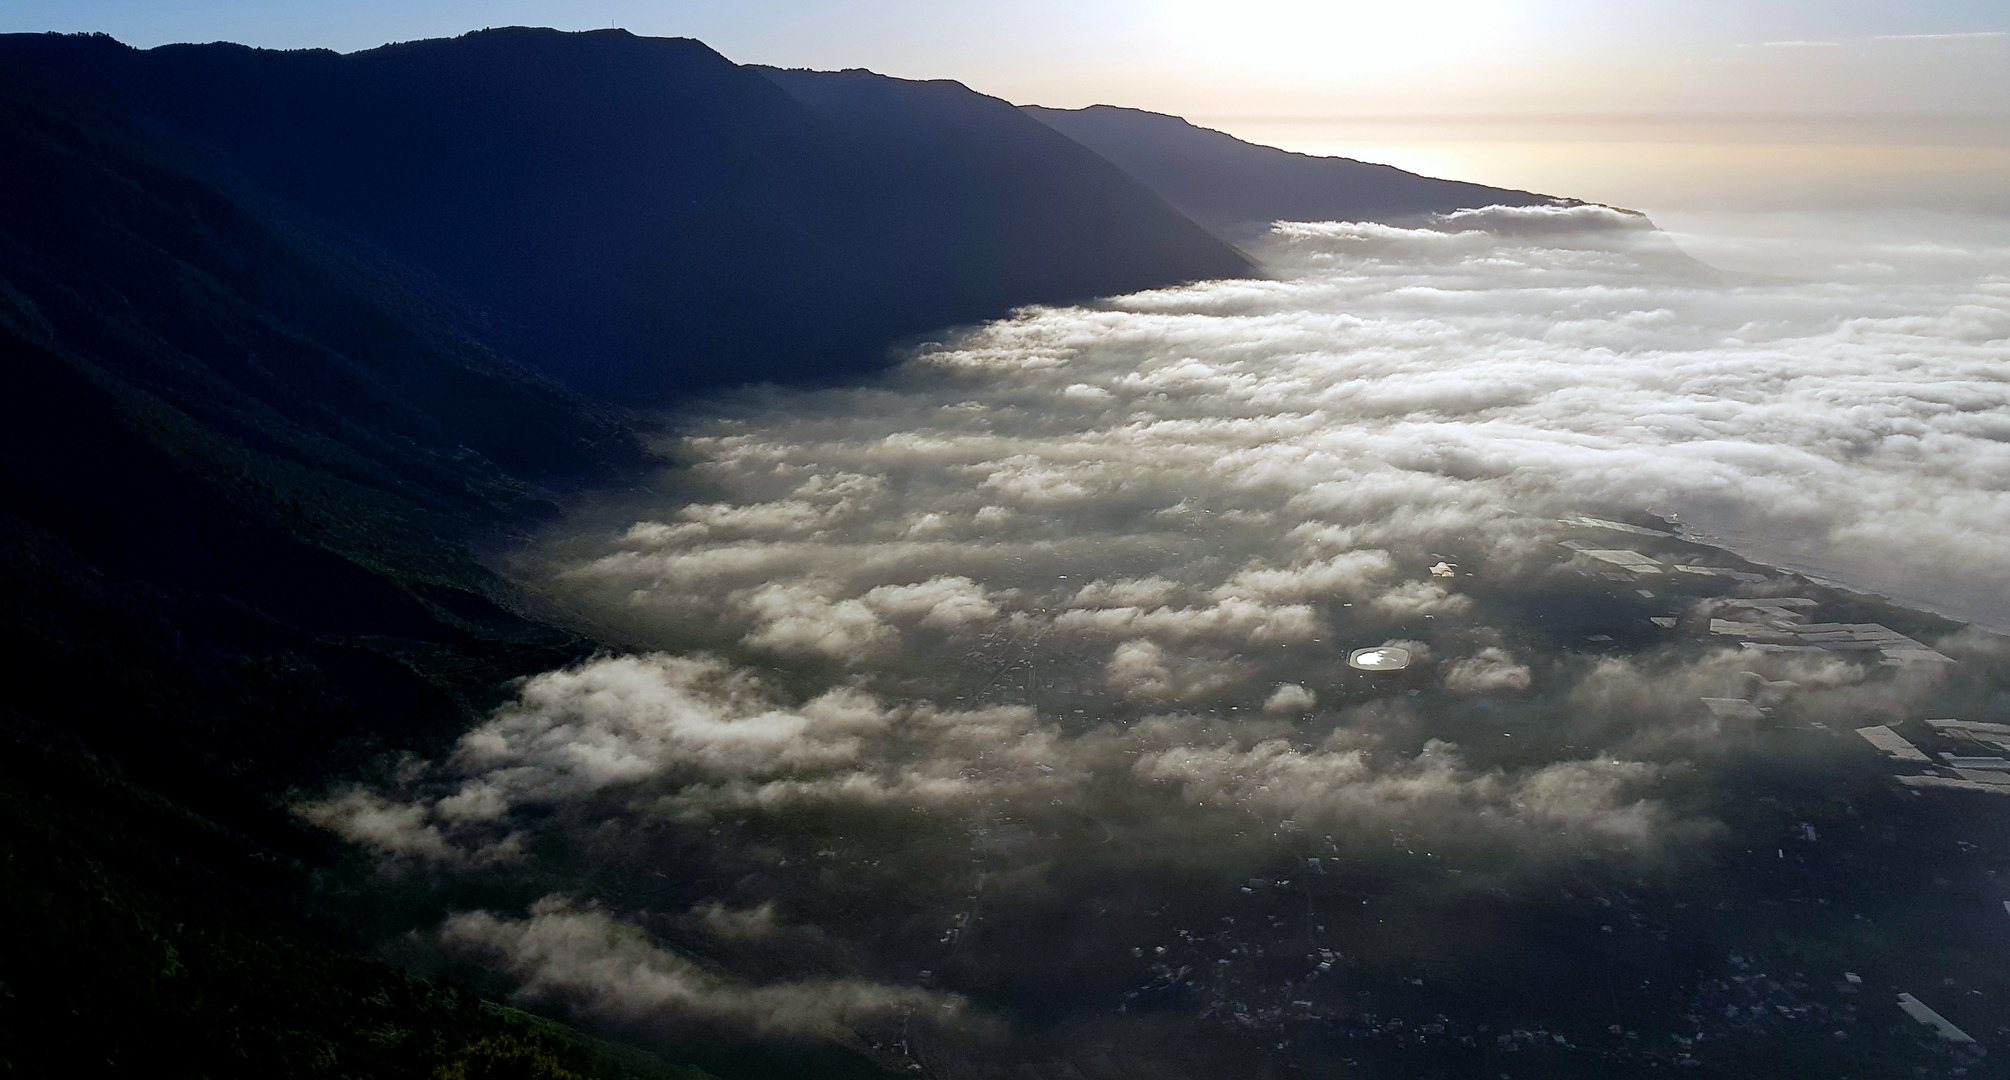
(1660, 107)
(1682, 163)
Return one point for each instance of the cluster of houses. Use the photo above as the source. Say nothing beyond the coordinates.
(1967, 763)
(1780, 624)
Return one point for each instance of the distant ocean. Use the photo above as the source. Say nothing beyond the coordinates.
(1685, 163)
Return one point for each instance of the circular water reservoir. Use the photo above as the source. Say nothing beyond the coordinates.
(1379, 658)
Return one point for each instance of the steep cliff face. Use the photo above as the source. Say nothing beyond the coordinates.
(1236, 187)
(239, 474)
(643, 218)
(1019, 209)
(209, 403)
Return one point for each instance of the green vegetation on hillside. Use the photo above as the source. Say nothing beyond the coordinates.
(239, 476)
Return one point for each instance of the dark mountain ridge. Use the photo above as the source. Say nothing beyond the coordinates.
(239, 476)
(1022, 204)
(1237, 188)
(643, 218)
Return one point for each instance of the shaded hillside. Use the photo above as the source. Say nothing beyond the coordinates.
(1235, 187)
(1034, 211)
(642, 217)
(238, 473)
(233, 426)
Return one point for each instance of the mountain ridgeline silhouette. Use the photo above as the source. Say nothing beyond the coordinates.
(1235, 187)
(643, 218)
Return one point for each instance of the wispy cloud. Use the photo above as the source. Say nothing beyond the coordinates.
(583, 956)
(1971, 35)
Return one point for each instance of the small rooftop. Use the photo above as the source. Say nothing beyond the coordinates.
(1379, 658)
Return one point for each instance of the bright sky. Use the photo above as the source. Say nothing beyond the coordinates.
(1697, 104)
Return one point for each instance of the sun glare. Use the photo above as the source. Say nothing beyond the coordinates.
(1309, 37)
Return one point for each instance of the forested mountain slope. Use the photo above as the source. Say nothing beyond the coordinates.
(643, 218)
(239, 473)
(1020, 209)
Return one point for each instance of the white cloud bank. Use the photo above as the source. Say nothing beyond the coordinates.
(1105, 564)
(1200, 463)
(696, 737)
(565, 951)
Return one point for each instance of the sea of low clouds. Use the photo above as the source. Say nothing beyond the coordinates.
(1076, 588)
(1395, 375)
